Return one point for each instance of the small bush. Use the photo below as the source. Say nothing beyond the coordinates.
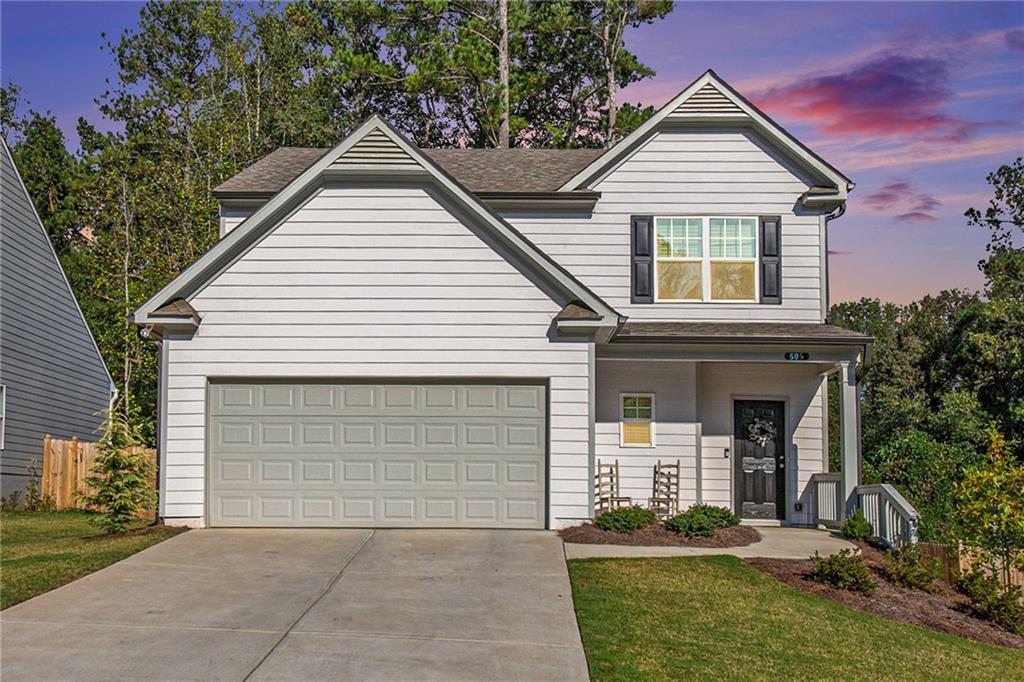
(1004, 607)
(909, 567)
(856, 527)
(845, 570)
(35, 501)
(625, 519)
(701, 520)
(120, 477)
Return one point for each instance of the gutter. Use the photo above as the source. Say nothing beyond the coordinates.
(582, 200)
(745, 341)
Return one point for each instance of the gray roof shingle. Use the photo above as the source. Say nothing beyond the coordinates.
(479, 170)
(738, 331)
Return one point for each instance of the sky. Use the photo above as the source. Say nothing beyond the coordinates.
(915, 101)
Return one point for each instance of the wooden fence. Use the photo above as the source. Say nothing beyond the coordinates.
(952, 560)
(66, 465)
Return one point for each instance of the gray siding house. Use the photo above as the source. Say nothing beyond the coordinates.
(52, 378)
(394, 336)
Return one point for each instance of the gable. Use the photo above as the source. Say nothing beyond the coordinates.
(374, 258)
(375, 153)
(710, 101)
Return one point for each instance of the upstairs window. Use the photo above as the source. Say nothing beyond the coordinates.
(706, 259)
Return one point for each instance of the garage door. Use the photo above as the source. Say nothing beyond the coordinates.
(399, 455)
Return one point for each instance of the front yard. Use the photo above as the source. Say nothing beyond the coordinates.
(44, 550)
(717, 617)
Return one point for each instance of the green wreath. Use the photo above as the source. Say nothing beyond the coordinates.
(761, 431)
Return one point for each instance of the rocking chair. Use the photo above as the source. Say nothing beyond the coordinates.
(664, 501)
(607, 488)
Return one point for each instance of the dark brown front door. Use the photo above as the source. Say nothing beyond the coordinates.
(760, 459)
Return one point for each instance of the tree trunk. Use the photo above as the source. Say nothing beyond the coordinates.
(503, 126)
(609, 65)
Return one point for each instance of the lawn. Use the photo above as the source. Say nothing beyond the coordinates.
(41, 551)
(717, 617)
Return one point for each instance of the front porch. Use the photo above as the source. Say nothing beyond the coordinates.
(746, 419)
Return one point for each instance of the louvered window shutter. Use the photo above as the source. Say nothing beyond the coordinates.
(771, 259)
(642, 247)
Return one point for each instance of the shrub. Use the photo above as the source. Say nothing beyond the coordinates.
(856, 527)
(990, 601)
(845, 570)
(625, 519)
(990, 508)
(701, 520)
(120, 477)
(910, 567)
(35, 501)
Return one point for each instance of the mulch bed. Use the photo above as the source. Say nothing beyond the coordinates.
(658, 536)
(946, 611)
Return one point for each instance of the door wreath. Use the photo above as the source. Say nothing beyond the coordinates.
(761, 431)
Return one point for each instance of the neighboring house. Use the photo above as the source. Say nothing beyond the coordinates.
(394, 336)
(52, 377)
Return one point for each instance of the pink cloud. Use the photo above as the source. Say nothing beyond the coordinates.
(1015, 39)
(885, 95)
(916, 217)
(916, 153)
(900, 195)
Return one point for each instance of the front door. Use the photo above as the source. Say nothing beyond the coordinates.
(760, 459)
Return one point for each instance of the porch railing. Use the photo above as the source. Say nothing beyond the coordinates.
(828, 499)
(893, 520)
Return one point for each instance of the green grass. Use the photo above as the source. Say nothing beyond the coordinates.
(717, 617)
(44, 550)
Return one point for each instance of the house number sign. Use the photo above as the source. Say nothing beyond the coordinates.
(798, 356)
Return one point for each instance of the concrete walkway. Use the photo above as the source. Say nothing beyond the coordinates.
(776, 543)
(308, 604)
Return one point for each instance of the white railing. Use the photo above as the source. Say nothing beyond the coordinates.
(893, 519)
(828, 499)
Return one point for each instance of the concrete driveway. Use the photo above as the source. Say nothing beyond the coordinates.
(309, 604)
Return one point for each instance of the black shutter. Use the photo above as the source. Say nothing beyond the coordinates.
(641, 238)
(771, 260)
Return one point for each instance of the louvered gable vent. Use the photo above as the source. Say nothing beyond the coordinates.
(376, 149)
(708, 100)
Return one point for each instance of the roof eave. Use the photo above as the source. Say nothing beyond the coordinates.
(744, 340)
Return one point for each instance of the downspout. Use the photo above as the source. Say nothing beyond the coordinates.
(835, 214)
(161, 407)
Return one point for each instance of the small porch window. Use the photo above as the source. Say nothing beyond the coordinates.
(636, 425)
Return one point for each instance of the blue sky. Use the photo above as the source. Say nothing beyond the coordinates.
(915, 101)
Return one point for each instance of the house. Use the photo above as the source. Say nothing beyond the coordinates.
(52, 377)
(394, 336)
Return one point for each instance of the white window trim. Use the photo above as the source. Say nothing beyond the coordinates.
(623, 420)
(706, 259)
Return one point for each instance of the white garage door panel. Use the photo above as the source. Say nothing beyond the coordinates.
(377, 455)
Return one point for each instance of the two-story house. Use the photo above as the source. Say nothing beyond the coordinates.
(394, 336)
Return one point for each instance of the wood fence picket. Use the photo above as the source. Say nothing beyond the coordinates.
(66, 465)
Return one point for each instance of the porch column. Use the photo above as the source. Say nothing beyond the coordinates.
(849, 429)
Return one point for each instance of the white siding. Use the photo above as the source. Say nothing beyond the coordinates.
(694, 172)
(799, 386)
(674, 387)
(376, 283)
